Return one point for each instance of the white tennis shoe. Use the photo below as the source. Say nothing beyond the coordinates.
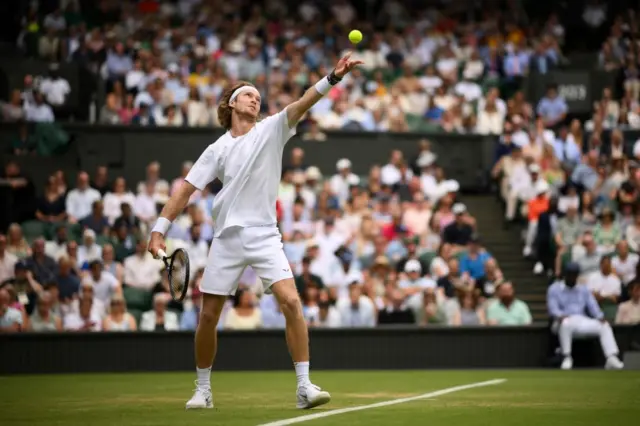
(310, 396)
(201, 398)
(614, 363)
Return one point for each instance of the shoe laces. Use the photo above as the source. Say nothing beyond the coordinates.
(201, 388)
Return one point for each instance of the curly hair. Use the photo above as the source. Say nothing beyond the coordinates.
(224, 110)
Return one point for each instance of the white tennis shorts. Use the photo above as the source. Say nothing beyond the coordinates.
(259, 247)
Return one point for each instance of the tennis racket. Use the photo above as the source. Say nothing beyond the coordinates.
(178, 270)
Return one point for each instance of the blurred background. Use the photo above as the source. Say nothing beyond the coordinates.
(481, 147)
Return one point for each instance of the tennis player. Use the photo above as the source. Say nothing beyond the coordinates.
(248, 161)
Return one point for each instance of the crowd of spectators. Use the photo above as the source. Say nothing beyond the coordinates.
(396, 247)
(426, 68)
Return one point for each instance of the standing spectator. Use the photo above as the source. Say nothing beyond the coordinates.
(506, 309)
(141, 270)
(629, 311)
(535, 207)
(569, 304)
(55, 88)
(11, 320)
(7, 261)
(552, 108)
(118, 318)
(159, 319)
(43, 319)
(80, 200)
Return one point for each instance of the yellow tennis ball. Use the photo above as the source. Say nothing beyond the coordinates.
(355, 36)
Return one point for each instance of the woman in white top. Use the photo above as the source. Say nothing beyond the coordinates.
(244, 315)
(119, 319)
(113, 200)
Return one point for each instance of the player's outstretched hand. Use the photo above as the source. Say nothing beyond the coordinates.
(156, 243)
(345, 65)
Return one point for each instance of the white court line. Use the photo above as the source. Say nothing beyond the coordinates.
(384, 403)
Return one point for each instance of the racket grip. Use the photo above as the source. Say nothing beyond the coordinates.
(162, 254)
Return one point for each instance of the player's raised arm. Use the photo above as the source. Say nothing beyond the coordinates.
(297, 109)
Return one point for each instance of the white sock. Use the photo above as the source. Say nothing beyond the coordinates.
(204, 377)
(302, 373)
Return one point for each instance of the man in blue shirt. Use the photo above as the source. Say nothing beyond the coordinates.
(552, 108)
(473, 261)
(576, 314)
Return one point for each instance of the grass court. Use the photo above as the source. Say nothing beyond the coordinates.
(526, 398)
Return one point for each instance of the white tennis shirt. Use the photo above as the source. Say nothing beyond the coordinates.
(249, 168)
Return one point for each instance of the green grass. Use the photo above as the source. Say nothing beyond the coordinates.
(528, 398)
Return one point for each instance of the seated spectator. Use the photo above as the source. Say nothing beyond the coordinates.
(141, 270)
(328, 315)
(13, 111)
(57, 247)
(473, 262)
(522, 189)
(439, 267)
(569, 230)
(587, 257)
(506, 309)
(80, 200)
(110, 264)
(356, 310)
(110, 112)
(159, 319)
(105, 285)
(487, 285)
(607, 232)
(128, 219)
(39, 111)
(625, 263)
(197, 248)
(244, 315)
(124, 244)
(114, 200)
(11, 320)
(429, 311)
(454, 279)
(629, 311)
(569, 304)
(414, 282)
(606, 287)
(68, 281)
(191, 313)
(43, 319)
(89, 250)
(83, 320)
(7, 261)
(411, 247)
(42, 266)
(632, 235)
(16, 243)
(552, 107)
(118, 319)
(51, 206)
(87, 291)
(460, 232)
(396, 311)
(97, 221)
(468, 310)
(146, 207)
(22, 287)
(160, 186)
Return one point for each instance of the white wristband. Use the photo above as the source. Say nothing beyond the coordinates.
(162, 225)
(323, 86)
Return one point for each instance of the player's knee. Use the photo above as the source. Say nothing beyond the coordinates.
(290, 304)
(208, 318)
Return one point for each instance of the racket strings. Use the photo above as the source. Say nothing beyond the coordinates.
(178, 273)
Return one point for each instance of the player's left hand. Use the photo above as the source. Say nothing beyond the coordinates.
(345, 65)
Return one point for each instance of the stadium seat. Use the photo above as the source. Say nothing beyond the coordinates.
(137, 314)
(137, 298)
(33, 229)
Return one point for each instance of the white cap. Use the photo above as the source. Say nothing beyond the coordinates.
(413, 265)
(343, 163)
(426, 159)
(313, 173)
(173, 68)
(534, 168)
(459, 208)
(541, 187)
(353, 180)
(451, 185)
(89, 233)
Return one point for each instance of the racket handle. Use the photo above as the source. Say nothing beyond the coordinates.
(162, 254)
